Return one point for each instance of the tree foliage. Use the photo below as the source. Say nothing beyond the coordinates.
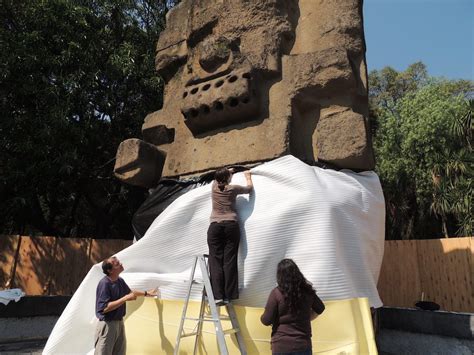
(424, 152)
(76, 78)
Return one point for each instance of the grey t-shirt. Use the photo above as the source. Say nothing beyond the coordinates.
(223, 202)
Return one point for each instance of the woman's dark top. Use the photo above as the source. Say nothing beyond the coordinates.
(290, 331)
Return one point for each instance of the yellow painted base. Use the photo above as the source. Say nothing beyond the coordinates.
(152, 325)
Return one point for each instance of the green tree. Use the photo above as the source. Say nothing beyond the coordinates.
(425, 164)
(388, 86)
(453, 173)
(76, 78)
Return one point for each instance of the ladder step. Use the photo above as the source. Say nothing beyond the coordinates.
(227, 331)
(231, 331)
(188, 334)
(225, 318)
(202, 319)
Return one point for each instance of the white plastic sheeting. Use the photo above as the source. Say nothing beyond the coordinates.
(330, 222)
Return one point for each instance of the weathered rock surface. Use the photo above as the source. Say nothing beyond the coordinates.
(249, 81)
(138, 163)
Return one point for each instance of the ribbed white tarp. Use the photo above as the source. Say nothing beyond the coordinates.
(330, 222)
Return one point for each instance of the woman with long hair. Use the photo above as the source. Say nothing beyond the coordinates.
(290, 308)
(223, 235)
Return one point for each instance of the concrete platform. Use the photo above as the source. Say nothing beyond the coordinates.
(414, 331)
(32, 318)
(394, 342)
(447, 324)
(32, 347)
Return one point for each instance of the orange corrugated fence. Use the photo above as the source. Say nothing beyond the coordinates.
(440, 269)
(49, 265)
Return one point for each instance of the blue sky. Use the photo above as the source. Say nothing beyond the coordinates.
(439, 33)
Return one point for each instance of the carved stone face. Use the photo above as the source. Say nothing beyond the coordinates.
(219, 52)
(249, 81)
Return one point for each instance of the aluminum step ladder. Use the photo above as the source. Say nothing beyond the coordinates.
(215, 317)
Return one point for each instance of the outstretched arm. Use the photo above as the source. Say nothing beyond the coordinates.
(113, 305)
(151, 293)
(248, 177)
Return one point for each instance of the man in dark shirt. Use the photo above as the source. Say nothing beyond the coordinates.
(111, 295)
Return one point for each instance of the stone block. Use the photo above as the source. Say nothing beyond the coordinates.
(139, 163)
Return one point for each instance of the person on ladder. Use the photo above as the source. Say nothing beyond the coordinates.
(223, 235)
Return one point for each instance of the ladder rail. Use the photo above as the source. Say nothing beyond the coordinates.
(199, 327)
(185, 308)
(236, 326)
(212, 305)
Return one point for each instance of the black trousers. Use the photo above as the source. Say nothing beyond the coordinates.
(223, 239)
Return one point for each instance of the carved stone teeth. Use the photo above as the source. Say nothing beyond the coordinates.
(193, 112)
(204, 109)
(232, 101)
(218, 106)
(231, 78)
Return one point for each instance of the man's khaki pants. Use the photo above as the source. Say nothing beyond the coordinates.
(110, 338)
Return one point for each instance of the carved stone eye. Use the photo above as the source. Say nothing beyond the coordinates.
(213, 53)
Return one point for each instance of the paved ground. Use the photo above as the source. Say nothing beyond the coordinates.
(32, 347)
